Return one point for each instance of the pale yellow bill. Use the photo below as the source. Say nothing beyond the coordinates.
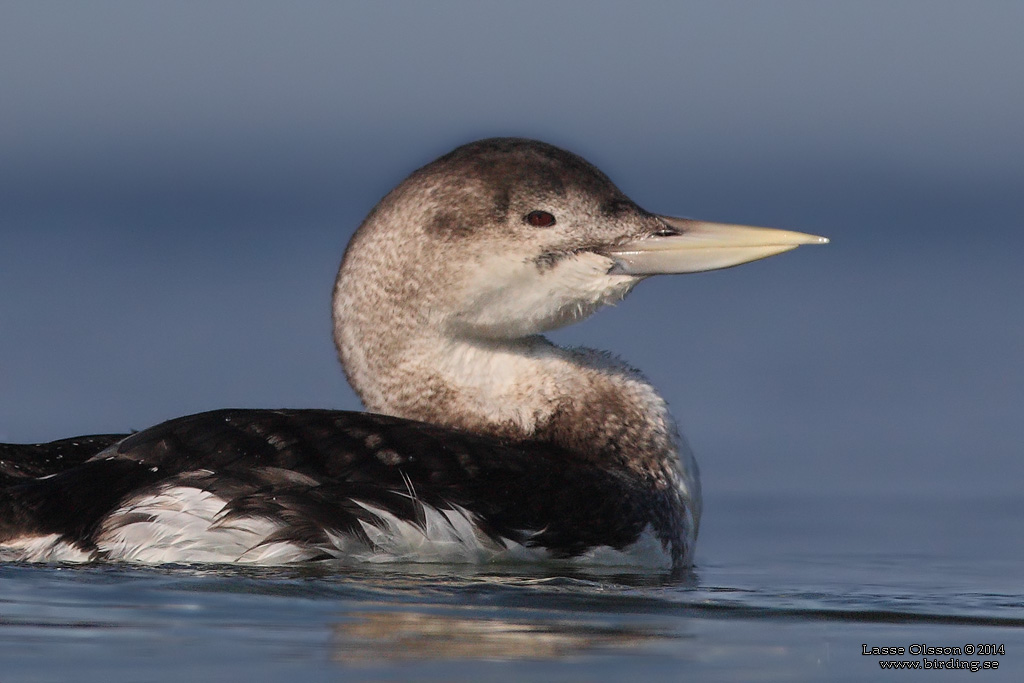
(704, 246)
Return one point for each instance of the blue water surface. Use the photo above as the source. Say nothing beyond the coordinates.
(784, 589)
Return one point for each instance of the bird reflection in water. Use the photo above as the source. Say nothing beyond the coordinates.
(366, 637)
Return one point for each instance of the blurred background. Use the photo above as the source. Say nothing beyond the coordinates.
(178, 182)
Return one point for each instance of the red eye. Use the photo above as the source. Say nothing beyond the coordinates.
(540, 219)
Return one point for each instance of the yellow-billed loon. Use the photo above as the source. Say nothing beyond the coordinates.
(483, 439)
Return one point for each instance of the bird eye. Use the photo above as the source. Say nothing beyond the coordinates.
(540, 219)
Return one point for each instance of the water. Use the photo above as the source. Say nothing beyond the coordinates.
(784, 590)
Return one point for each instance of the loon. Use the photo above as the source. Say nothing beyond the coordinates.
(483, 440)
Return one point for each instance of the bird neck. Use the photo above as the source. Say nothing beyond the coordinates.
(581, 400)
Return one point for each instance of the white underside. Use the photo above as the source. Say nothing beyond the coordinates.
(183, 524)
(48, 548)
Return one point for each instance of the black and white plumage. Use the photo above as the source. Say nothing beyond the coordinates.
(484, 439)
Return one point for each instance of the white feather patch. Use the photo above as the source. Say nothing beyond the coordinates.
(186, 524)
(448, 535)
(646, 551)
(49, 548)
